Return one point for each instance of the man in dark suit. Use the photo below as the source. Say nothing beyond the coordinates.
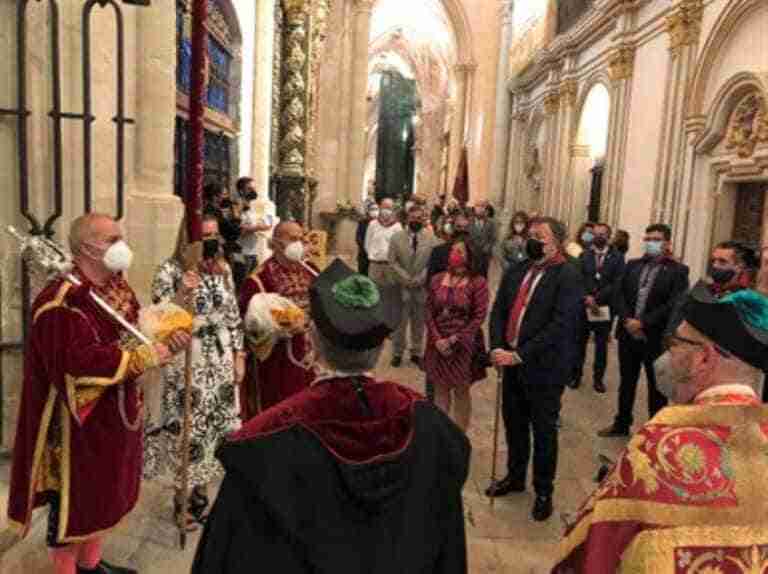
(645, 299)
(362, 228)
(482, 233)
(601, 266)
(534, 328)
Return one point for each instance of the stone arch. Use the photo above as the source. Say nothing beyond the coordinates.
(724, 104)
(597, 79)
(730, 18)
(462, 30)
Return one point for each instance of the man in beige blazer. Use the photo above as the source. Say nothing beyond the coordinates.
(409, 253)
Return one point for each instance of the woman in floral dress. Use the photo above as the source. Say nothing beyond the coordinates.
(457, 305)
(217, 367)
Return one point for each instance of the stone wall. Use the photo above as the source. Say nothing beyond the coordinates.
(677, 72)
(151, 211)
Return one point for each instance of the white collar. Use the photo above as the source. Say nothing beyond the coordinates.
(732, 389)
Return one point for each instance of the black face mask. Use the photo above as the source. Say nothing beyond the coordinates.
(600, 241)
(722, 276)
(535, 249)
(211, 248)
(415, 226)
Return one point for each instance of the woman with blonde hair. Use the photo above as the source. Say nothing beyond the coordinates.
(218, 365)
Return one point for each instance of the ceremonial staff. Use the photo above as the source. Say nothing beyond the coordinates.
(193, 217)
(496, 416)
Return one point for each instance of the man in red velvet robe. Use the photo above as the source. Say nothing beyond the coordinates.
(350, 475)
(688, 494)
(284, 372)
(78, 444)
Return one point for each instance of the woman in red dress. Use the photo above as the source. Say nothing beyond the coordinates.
(457, 305)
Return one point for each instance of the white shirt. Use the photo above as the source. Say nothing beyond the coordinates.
(377, 240)
(262, 212)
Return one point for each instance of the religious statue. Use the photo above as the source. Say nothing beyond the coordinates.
(533, 169)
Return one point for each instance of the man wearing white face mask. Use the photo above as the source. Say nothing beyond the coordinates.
(283, 373)
(645, 298)
(689, 489)
(80, 415)
(377, 241)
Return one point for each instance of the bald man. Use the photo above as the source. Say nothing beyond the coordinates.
(78, 445)
(286, 273)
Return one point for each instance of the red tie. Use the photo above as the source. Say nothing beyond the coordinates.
(521, 300)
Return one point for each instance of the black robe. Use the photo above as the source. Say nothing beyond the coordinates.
(313, 485)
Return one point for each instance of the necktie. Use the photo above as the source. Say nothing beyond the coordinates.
(415, 241)
(521, 300)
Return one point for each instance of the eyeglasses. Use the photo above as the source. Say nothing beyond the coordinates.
(675, 340)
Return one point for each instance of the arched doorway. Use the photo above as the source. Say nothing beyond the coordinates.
(588, 156)
(411, 93)
(222, 117)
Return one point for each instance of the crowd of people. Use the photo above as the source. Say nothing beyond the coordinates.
(308, 416)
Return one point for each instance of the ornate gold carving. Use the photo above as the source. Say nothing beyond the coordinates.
(569, 89)
(684, 25)
(295, 11)
(551, 103)
(294, 97)
(363, 5)
(748, 125)
(217, 23)
(621, 63)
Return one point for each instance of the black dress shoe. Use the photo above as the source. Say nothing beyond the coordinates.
(600, 387)
(416, 360)
(106, 568)
(397, 361)
(504, 487)
(613, 431)
(542, 508)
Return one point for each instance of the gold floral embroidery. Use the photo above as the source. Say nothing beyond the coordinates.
(642, 469)
(691, 459)
(142, 358)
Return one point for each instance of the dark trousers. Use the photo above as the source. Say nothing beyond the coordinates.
(602, 333)
(634, 355)
(362, 262)
(526, 408)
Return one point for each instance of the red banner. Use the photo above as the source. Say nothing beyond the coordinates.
(195, 135)
(461, 185)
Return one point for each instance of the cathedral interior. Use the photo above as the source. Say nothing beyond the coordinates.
(623, 111)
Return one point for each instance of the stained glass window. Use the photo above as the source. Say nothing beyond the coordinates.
(220, 64)
(216, 153)
(219, 70)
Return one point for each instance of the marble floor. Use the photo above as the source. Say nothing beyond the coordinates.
(501, 539)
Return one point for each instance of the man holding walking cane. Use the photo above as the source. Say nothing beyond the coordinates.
(533, 333)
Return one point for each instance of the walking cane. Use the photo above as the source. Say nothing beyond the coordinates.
(497, 413)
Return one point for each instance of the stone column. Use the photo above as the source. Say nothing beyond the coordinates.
(568, 93)
(460, 122)
(262, 94)
(515, 149)
(501, 130)
(580, 182)
(291, 179)
(620, 70)
(552, 111)
(361, 27)
(684, 27)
